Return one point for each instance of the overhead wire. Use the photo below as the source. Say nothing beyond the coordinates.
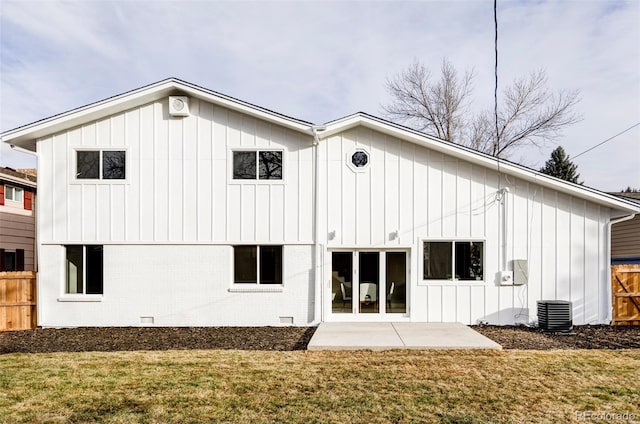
(607, 140)
(495, 88)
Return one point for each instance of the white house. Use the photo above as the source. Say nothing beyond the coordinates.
(174, 205)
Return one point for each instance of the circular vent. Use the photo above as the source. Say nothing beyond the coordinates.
(178, 104)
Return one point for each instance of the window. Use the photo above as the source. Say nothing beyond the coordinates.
(12, 260)
(257, 165)
(448, 260)
(358, 160)
(84, 270)
(257, 264)
(100, 164)
(13, 193)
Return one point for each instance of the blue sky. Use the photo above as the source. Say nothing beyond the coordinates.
(318, 61)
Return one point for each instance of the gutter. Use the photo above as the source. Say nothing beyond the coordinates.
(609, 225)
(23, 150)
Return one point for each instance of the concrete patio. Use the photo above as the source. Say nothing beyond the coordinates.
(397, 335)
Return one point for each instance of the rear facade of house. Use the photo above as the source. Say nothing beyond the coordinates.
(176, 206)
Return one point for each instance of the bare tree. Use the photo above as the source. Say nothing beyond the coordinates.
(436, 108)
(529, 115)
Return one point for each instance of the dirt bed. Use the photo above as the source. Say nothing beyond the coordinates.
(281, 338)
(582, 337)
(85, 339)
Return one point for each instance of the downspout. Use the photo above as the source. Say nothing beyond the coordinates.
(609, 294)
(318, 251)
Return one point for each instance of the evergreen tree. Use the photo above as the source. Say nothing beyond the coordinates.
(560, 166)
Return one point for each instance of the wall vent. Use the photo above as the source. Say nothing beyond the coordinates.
(286, 320)
(146, 320)
(555, 315)
(178, 106)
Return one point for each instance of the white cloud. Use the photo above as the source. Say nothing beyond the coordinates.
(319, 61)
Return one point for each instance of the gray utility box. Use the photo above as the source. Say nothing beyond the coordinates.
(555, 315)
(520, 272)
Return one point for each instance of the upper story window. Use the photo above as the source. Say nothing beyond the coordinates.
(101, 164)
(359, 159)
(257, 165)
(15, 194)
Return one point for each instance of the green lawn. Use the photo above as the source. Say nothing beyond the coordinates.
(340, 387)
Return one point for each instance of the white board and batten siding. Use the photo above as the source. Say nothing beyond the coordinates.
(426, 195)
(178, 191)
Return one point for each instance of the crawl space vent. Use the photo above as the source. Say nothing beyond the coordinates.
(555, 315)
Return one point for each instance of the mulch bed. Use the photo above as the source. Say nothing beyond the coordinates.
(281, 338)
(582, 337)
(85, 339)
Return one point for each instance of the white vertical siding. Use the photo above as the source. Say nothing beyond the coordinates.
(179, 190)
(426, 195)
(178, 186)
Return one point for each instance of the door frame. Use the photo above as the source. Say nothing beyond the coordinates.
(355, 315)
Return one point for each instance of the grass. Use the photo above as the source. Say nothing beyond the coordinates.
(309, 387)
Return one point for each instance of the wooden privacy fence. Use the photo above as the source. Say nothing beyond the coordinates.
(17, 300)
(625, 288)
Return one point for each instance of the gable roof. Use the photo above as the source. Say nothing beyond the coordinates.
(26, 136)
(478, 158)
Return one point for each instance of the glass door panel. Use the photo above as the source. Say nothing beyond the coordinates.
(396, 282)
(342, 282)
(369, 282)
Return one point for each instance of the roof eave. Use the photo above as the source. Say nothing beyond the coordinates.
(26, 136)
(469, 155)
(18, 180)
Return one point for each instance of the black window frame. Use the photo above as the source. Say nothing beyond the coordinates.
(12, 260)
(260, 165)
(106, 162)
(258, 273)
(464, 260)
(89, 266)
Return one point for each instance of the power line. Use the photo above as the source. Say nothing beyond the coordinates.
(495, 89)
(608, 139)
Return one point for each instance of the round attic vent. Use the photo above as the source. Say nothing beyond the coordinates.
(178, 104)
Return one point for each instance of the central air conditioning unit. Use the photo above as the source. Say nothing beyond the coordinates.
(178, 106)
(555, 315)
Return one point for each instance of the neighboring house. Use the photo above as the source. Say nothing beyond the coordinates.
(175, 205)
(625, 236)
(17, 221)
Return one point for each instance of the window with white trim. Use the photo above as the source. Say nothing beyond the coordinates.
(257, 264)
(84, 269)
(12, 193)
(453, 260)
(101, 164)
(257, 165)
